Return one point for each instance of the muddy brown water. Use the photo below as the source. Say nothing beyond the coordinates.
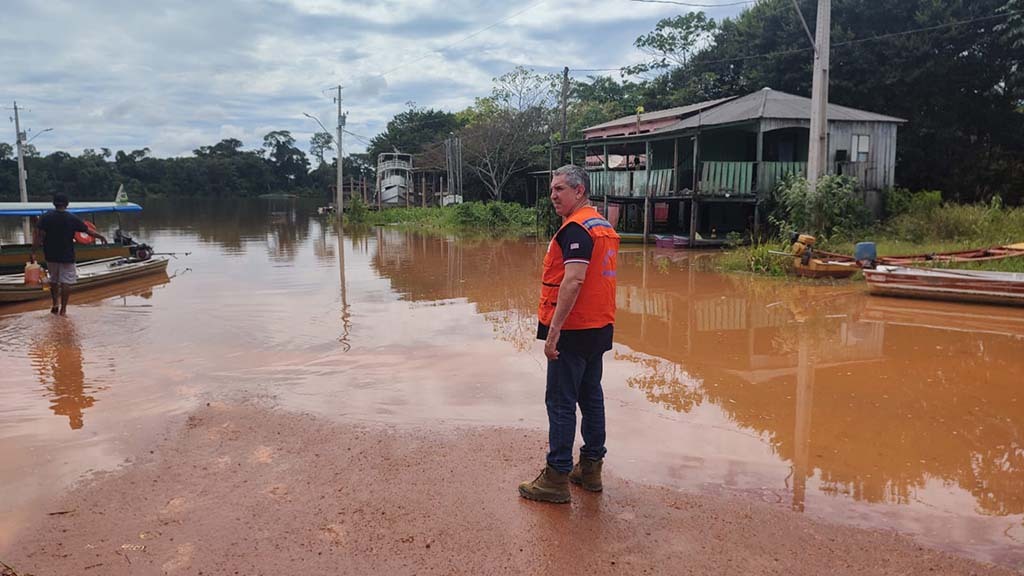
(875, 412)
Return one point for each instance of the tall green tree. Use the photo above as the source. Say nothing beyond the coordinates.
(319, 144)
(956, 85)
(413, 130)
(289, 164)
(673, 42)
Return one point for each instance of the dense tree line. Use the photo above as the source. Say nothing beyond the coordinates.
(220, 170)
(959, 86)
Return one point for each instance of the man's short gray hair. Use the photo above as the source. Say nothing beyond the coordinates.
(574, 176)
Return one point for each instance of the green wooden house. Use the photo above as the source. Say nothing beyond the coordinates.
(702, 171)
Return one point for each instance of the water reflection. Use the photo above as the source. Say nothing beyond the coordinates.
(56, 356)
(860, 401)
(346, 315)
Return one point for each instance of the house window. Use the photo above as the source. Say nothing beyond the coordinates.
(861, 145)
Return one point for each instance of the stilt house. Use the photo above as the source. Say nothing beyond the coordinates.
(701, 171)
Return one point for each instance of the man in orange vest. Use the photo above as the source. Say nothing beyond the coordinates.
(576, 320)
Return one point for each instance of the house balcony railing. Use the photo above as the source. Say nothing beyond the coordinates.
(717, 178)
(632, 182)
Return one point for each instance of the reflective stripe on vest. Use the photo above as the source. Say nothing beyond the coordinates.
(595, 305)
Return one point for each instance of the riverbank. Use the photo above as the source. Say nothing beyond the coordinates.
(924, 228)
(242, 488)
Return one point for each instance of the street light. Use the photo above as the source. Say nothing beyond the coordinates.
(317, 121)
(37, 135)
(339, 192)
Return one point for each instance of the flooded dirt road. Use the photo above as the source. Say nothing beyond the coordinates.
(818, 400)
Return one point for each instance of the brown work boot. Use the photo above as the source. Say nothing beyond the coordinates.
(587, 473)
(549, 486)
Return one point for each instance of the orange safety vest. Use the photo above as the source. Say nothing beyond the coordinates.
(595, 305)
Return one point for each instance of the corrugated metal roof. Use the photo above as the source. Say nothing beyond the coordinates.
(660, 114)
(768, 103)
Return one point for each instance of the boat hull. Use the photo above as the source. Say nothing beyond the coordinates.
(1002, 288)
(90, 275)
(979, 255)
(14, 256)
(818, 268)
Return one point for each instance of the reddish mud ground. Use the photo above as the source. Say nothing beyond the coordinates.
(243, 489)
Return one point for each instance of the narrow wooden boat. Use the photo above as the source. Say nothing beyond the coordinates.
(985, 287)
(976, 255)
(825, 268)
(14, 256)
(812, 263)
(91, 274)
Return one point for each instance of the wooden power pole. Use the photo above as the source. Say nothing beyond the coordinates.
(817, 153)
(565, 108)
(19, 139)
(340, 192)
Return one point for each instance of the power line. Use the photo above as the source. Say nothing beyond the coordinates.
(364, 139)
(834, 45)
(696, 4)
(460, 40)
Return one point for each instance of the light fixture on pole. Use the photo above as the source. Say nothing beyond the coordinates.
(37, 135)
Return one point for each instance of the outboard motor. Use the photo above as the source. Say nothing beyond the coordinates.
(142, 251)
(803, 247)
(122, 238)
(866, 254)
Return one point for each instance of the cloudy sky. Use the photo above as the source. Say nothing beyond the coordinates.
(178, 74)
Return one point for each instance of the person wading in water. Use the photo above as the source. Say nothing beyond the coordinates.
(56, 230)
(576, 319)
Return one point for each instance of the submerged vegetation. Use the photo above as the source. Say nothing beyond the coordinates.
(493, 217)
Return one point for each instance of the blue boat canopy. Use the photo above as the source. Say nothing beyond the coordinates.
(40, 208)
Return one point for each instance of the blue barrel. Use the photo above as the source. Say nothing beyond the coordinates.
(865, 251)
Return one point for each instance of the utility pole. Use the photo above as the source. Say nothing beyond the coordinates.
(340, 192)
(817, 153)
(448, 162)
(19, 138)
(565, 107)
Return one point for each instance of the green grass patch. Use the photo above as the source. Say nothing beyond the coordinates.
(922, 225)
(756, 259)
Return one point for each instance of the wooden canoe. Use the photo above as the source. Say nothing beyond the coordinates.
(91, 274)
(825, 268)
(977, 255)
(14, 256)
(1006, 288)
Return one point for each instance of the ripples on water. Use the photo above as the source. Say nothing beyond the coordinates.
(880, 412)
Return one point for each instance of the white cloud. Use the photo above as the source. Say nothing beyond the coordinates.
(179, 75)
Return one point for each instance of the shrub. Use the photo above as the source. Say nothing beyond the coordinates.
(356, 211)
(976, 224)
(832, 209)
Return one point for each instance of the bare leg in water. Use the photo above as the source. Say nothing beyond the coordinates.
(54, 296)
(65, 293)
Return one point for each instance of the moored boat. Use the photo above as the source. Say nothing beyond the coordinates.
(975, 255)
(810, 263)
(824, 268)
(14, 256)
(980, 286)
(90, 274)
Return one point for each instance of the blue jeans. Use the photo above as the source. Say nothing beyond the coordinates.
(574, 379)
